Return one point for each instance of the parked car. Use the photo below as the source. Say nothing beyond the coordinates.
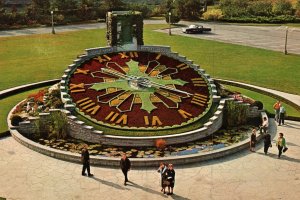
(195, 29)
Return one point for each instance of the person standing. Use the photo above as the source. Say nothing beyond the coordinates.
(125, 165)
(281, 115)
(171, 178)
(85, 159)
(276, 107)
(162, 170)
(280, 144)
(267, 142)
(264, 126)
(253, 140)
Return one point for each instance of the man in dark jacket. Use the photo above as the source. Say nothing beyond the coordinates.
(267, 142)
(125, 166)
(85, 159)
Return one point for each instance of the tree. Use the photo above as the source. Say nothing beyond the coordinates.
(283, 7)
(189, 9)
(113, 5)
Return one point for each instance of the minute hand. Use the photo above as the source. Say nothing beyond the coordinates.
(157, 85)
(116, 73)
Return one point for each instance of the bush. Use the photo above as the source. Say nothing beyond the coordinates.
(160, 144)
(234, 8)
(262, 19)
(213, 14)
(260, 8)
(282, 7)
(235, 114)
(15, 120)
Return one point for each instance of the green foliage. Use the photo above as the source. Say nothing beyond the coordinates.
(143, 8)
(234, 8)
(59, 125)
(260, 8)
(213, 14)
(235, 114)
(261, 19)
(283, 7)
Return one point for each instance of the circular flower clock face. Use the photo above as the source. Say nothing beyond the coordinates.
(139, 90)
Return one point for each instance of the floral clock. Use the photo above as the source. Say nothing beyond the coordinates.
(138, 90)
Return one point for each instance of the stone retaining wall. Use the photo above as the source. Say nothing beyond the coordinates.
(78, 129)
(136, 162)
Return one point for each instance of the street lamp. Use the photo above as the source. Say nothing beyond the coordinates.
(53, 31)
(170, 23)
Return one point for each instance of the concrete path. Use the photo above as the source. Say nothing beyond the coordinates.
(25, 174)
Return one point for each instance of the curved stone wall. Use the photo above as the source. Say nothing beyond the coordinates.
(136, 162)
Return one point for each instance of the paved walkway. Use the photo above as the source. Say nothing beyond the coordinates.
(26, 174)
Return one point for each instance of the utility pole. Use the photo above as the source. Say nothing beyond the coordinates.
(52, 20)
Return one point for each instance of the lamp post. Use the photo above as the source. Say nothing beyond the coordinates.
(53, 31)
(286, 37)
(170, 23)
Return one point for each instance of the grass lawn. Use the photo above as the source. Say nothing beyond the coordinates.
(266, 100)
(27, 59)
(7, 104)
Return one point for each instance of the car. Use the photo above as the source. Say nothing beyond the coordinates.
(195, 29)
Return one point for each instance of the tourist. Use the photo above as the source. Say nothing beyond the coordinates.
(281, 115)
(267, 142)
(85, 159)
(125, 165)
(276, 107)
(280, 144)
(162, 170)
(170, 178)
(253, 140)
(264, 126)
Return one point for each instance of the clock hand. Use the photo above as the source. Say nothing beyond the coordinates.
(117, 74)
(148, 83)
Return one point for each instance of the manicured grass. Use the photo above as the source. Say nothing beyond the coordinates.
(41, 57)
(27, 59)
(7, 104)
(234, 62)
(266, 100)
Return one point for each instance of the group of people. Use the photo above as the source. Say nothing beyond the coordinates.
(167, 173)
(280, 112)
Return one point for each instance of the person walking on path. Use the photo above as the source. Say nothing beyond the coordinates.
(267, 142)
(282, 112)
(264, 126)
(171, 178)
(125, 165)
(85, 159)
(280, 144)
(276, 107)
(253, 140)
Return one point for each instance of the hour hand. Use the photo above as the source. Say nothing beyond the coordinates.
(115, 73)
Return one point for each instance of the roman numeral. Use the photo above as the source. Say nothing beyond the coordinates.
(101, 60)
(88, 106)
(123, 55)
(74, 88)
(158, 56)
(81, 71)
(198, 82)
(185, 114)
(116, 118)
(155, 121)
(199, 99)
(133, 54)
(182, 66)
